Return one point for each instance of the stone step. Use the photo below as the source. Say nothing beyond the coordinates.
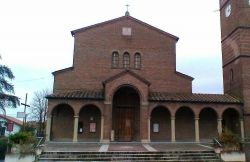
(130, 152)
(130, 156)
(130, 159)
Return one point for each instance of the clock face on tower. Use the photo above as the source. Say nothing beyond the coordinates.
(228, 10)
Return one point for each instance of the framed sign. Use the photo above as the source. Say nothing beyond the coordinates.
(92, 127)
(156, 127)
(20, 114)
(80, 127)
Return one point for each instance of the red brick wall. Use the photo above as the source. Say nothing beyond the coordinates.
(89, 114)
(161, 116)
(93, 51)
(62, 123)
(240, 16)
(208, 124)
(235, 31)
(184, 125)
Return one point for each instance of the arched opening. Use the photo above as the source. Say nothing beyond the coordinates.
(230, 120)
(160, 124)
(89, 124)
(185, 129)
(126, 114)
(62, 125)
(208, 124)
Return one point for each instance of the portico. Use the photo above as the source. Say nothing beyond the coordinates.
(123, 120)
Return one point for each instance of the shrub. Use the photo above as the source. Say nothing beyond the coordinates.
(3, 147)
(22, 138)
(230, 141)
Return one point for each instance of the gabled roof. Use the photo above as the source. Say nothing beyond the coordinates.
(9, 118)
(121, 18)
(192, 97)
(127, 72)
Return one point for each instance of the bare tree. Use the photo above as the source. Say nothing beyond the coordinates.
(39, 107)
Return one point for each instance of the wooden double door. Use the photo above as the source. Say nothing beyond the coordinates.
(124, 123)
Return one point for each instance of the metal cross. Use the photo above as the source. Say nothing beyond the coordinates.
(127, 7)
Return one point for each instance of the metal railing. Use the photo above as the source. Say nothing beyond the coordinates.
(217, 142)
(40, 141)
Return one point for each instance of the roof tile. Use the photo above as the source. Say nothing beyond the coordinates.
(79, 94)
(192, 97)
(153, 96)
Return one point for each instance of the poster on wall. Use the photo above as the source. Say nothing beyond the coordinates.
(156, 127)
(92, 127)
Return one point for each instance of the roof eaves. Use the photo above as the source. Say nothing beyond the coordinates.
(73, 32)
(123, 73)
(62, 70)
(184, 75)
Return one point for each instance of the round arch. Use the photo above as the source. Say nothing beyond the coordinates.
(62, 123)
(185, 128)
(126, 114)
(152, 108)
(50, 111)
(208, 124)
(160, 124)
(91, 105)
(89, 123)
(230, 120)
(138, 91)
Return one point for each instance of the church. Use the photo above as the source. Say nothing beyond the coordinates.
(124, 87)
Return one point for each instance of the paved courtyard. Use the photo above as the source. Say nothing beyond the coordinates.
(98, 147)
(247, 151)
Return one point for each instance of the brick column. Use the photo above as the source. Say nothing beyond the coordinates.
(149, 130)
(242, 131)
(75, 128)
(144, 123)
(48, 128)
(107, 122)
(102, 125)
(219, 126)
(172, 129)
(197, 132)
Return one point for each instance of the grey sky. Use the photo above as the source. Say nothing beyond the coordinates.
(35, 37)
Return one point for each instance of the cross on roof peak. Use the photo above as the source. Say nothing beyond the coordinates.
(127, 13)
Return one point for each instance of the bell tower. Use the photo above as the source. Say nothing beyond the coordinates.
(235, 41)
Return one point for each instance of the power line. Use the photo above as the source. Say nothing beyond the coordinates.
(33, 79)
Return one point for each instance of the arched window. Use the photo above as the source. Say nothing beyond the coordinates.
(126, 60)
(137, 61)
(115, 59)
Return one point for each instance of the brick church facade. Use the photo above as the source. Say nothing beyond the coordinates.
(123, 85)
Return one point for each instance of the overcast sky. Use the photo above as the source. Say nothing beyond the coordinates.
(35, 37)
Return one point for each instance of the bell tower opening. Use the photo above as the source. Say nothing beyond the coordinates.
(126, 114)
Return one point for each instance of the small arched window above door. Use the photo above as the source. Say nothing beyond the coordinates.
(115, 59)
(126, 60)
(137, 60)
